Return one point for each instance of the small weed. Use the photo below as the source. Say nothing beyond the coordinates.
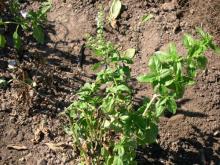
(146, 18)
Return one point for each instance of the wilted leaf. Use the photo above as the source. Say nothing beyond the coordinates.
(38, 134)
(129, 53)
(57, 146)
(114, 12)
(17, 147)
(115, 9)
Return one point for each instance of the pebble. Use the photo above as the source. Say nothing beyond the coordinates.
(42, 162)
(169, 6)
(216, 133)
(12, 64)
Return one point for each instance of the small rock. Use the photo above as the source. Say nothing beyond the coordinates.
(158, 18)
(216, 133)
(22, 159)
(42, 162)
(169, 6)
(12, 64)
(171, 17)
(191, 11)
(155, 10)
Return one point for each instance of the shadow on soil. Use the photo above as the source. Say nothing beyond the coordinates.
(191, 151)
(55, 69)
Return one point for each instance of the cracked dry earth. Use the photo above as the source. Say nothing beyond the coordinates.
(31, 129)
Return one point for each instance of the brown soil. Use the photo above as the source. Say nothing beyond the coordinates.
(30, 116)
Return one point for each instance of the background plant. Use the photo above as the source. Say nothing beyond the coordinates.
(170, 73)
(20, 20)
(105, 126)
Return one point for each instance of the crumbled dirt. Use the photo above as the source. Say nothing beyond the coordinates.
(30, 116)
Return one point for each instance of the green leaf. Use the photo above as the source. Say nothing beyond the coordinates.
(129, 53)
(2, 41)
(146, 18)
(165, 72)
(169, 82)
(115, 9)
(117, 161)
(159, 109)
(120, 149)
(96, 66)
(149, 78)
(1, 22)
(188, 41)
(151, 133)
(202, 62)
(163, 57)
(123, 88)
(172, 107)
(46, 6)
(154, 64)
(38, 34)
(16, 40)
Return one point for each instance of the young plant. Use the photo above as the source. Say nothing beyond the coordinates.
(170, 73)
(25, 21)
(105, 127)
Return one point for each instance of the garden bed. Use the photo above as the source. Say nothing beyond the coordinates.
(30, 117)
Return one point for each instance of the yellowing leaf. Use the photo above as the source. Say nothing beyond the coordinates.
(57, 146)
(115, 9)
(129, 53)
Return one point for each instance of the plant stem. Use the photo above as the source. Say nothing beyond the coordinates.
(149, 104)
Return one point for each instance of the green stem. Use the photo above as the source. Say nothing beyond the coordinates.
(11, 22)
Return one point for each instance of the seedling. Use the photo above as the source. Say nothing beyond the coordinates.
(170, 73)
(146, 18)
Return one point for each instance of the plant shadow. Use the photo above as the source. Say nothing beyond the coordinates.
(190, 151)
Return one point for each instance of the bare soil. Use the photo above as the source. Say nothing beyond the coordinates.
(30, 117)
